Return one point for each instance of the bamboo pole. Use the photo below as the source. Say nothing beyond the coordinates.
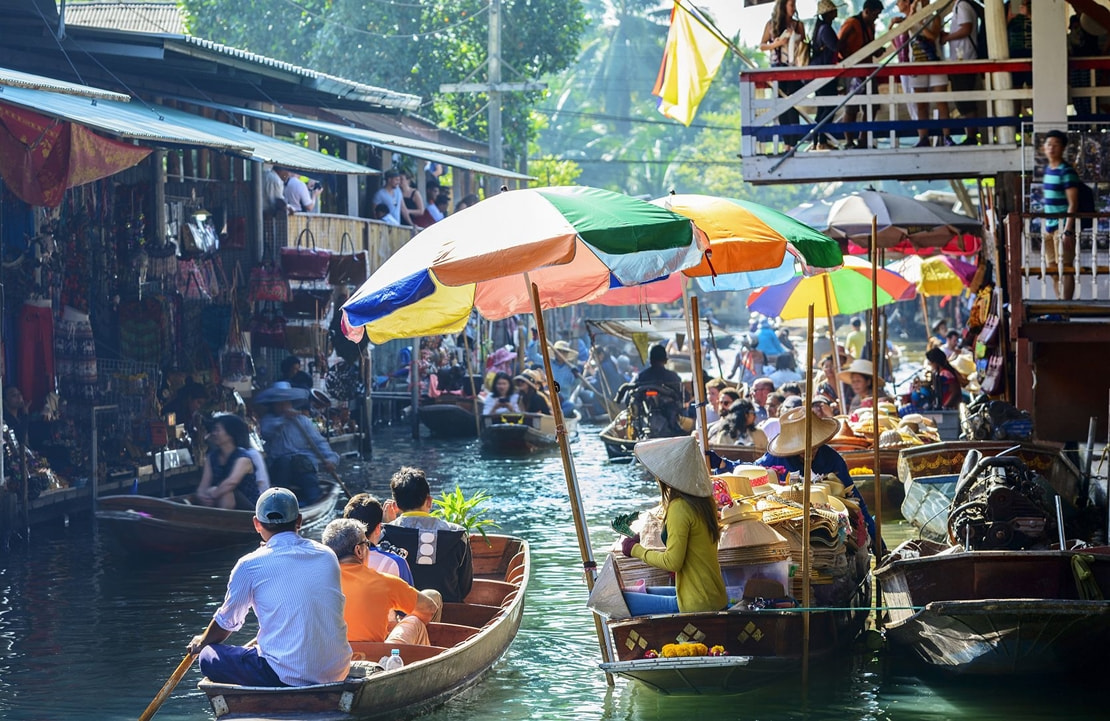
(925, 316)
(807, 470)
(834, 349)
(589, 565)
(876, 379)
(699, 386)
(475, 403)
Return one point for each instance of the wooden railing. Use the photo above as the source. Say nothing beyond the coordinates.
(884, 105)
(1032, 277)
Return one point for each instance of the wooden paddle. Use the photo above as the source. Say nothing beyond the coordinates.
(168, 687)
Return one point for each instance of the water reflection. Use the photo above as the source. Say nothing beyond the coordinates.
(87, 632)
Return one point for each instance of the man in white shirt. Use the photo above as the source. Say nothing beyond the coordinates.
(960, 39)
(298, 198)
(390, 196)
(293, 586)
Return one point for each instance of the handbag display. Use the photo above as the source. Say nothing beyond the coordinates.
(268, 285)
(988, 336)
(994, 379)
(162, 261)
(303, 339)
(268, 331)
(305, 263)
(308, 304)
(190, 280)
(348, 268)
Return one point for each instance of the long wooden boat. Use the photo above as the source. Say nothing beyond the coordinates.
(524, 433)
(929, 474)
(996, 612)
(450, 417)
(144, 524)
(465, 645)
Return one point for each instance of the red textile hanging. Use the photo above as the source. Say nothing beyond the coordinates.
(41, 157)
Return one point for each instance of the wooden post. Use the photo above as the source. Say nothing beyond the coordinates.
(807, 469)
(699, 385)
(589, 565)
(876, 378)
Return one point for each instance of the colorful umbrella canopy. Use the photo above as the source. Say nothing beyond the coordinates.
(749, 245)
(848, 290)
(939, 275)
(903, 222)
(571, 241)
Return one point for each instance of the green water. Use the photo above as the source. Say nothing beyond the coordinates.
(87, 633)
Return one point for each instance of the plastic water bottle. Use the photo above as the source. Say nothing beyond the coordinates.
(393, 661)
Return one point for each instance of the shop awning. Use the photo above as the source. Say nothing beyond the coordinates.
(17, 79)
(267, 149)
(435, 152)
(136, 120)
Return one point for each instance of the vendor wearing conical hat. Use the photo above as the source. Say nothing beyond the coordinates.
(691, 532)
(789, 446)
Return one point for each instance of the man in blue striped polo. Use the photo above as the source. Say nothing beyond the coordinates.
(1061, 195)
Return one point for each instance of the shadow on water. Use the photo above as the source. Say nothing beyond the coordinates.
(88, 632)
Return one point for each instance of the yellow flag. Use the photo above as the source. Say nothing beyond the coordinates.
(691, 58)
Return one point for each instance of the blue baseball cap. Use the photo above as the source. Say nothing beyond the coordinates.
(277, 505)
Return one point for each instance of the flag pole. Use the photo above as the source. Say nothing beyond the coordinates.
(589, 565)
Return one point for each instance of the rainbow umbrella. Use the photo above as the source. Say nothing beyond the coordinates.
(847, 290)
(750, 245)
(572, 242)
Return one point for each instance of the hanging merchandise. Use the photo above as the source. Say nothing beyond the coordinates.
(236, 364)
(268, 285)
(305, 263)
(994, 380)
(268, 330)
(198, 236)
(348, 268)
(236, 233)
(162, 261)
(190, 280)
(303, 339)
(308, 304)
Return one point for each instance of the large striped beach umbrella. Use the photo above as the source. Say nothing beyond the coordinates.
(572, 242)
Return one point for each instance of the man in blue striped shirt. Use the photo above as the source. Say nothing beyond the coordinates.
(1061, 195)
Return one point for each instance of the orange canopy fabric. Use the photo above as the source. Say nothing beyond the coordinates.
(41, 157)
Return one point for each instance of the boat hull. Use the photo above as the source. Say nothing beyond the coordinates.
(148, 525)
(523, 433)
(426, 681)
(450, 420)
(996, 612)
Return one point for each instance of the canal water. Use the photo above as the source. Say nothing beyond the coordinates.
(89, 633)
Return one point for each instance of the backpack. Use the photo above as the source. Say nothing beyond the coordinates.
(979, 36)
(1086, 198)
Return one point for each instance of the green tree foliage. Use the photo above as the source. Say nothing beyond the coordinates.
(410, 46)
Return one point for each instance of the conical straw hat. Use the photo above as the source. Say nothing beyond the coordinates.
(677, 462)
(792, 433)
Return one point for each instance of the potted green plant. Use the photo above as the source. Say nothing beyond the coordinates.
(470, 513)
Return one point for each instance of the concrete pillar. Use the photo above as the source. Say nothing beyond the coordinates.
(1050, 64)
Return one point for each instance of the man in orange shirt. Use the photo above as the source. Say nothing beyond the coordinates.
(373, 597)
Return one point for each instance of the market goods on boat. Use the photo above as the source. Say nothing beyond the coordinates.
(471, 638)
(144, 524)
(522, 433)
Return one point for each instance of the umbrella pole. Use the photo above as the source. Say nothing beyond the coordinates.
(589, 565)
(832, 347)
(925, 316)
(699, 386)
(414, 387)
(876, 379)
(807, 470)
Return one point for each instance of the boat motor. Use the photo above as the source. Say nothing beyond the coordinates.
(999, 504)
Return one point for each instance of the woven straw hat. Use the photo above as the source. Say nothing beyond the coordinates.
(677, 462)
(564, 350)
(863, 367)
(791, 439)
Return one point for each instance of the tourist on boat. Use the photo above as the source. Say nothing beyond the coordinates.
(438, 550)
(530, 399)
(691, 532)
(500, 398)
(828, 384)
(787, 449)
(241, 434)
(750, 361)
(739, 427)
(564, 368)
(294, 446)
(762, 388)
(952, 344)
(947, 382)
(228, 479)
(657, 373)
(186, 406)
(860, 375)
(822, 407)
(292, 585)
(382, 557)
(374, 598)
(786, 371)
(725, 398)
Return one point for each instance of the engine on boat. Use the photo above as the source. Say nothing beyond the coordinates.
(1005, 507)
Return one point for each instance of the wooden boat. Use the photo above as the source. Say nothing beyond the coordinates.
(450, 416)
(144, 524)
(471, 638)
(855, 458)
(929, 474)
(995, 612)
(523, 433)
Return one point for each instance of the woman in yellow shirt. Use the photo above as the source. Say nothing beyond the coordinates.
(690, 532)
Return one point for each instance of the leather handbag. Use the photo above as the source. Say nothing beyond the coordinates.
(268, 331)
(308, 304)
(994, 380)
(303, 340)
(989, 335)
(268, 285)
(348, 268)
(305, 263)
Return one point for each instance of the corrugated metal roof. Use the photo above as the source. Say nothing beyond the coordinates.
(405, 146)
(143, 17)
(321, 82)
(16, 79)
(268, 149)
(123, 119)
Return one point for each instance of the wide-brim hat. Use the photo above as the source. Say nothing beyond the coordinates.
(564, 349)
(863, 367)
(827, 6)
(677, 462)
(281, 392)
(791, 439)
(525, 378)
